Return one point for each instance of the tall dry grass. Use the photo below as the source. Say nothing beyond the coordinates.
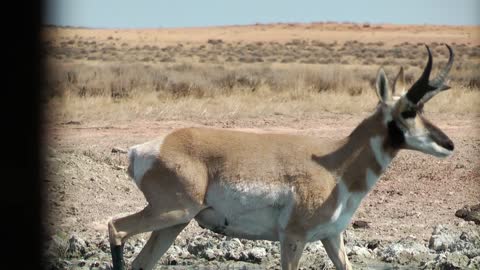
(123, 92)
(92, 78)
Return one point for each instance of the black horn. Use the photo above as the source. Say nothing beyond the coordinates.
(421, 86)
(424, 89)
(439, 82)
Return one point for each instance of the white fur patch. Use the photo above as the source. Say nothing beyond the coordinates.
(440, 151)
(142, 158)
(252, 208)
(336, 213)
(248, 195)
(347, 204)
(371, 178)
(338, 220)
(383, 158)
(425, 144)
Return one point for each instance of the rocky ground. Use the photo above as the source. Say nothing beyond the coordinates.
(448, 248)
(421, 214)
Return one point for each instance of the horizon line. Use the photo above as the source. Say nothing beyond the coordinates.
(44, 24)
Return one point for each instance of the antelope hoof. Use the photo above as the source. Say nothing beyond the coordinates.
(117, 257)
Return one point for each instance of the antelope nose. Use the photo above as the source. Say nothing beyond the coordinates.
(449, 145)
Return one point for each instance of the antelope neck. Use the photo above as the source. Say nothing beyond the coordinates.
(363, 156)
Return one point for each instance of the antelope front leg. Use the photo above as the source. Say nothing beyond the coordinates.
(291, 248)
(336, 252)
(156, 246)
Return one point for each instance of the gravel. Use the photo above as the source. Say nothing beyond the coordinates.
(448, 248)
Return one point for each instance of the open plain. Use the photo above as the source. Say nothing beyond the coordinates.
(109, 89)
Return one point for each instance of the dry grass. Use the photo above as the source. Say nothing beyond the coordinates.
(213, 92)
(115, 79)
(148, 107)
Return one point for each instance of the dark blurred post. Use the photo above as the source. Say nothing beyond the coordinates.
(21, 115)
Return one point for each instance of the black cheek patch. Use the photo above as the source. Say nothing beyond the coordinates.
(409, 114)
(396, 139)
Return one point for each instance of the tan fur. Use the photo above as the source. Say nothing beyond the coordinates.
(291, 188)
(192, 159)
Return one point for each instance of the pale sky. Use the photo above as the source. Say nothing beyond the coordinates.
(188, 13)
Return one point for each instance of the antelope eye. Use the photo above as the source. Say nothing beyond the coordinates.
(409, 114)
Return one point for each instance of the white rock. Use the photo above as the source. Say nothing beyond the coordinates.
(257, 253)
(361, 252)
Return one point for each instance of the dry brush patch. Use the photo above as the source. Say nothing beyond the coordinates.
(131, 91)
(125, 74)
(219, 51)
(86, 91)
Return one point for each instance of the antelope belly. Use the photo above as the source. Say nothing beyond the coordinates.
(251, 211)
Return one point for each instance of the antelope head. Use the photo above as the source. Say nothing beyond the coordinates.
(403, 114)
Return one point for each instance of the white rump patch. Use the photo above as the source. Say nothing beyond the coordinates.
(381, 156)
(142, 158)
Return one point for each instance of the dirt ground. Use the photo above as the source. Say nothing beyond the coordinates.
(87, 184)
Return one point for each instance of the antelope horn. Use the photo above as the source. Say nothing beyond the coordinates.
(424, 89)
(421, 86)
(399, 83)
(438, 82)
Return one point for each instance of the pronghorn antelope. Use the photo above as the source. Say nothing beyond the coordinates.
(288, 188)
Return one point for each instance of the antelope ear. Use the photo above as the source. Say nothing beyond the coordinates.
(399, 83)
(382, 89)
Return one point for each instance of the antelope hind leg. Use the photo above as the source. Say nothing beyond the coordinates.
(144, 221)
